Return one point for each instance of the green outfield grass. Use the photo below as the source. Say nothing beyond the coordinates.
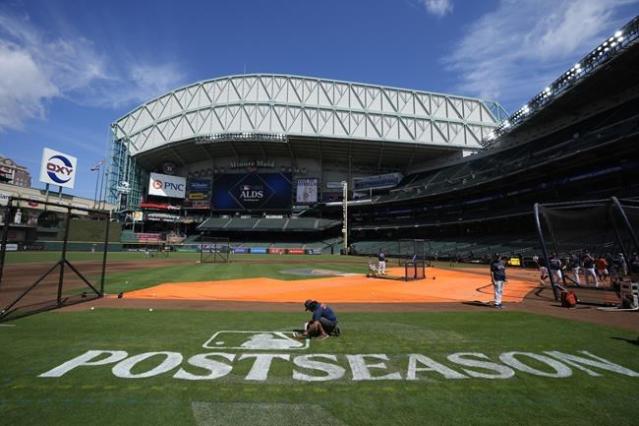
(52, 256)
(93, 395)
(46, 256)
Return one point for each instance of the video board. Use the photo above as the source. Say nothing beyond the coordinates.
(252, 191)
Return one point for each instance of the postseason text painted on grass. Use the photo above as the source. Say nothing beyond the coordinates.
(330, 367)
(254, 356)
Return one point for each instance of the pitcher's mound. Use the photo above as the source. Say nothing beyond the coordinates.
(307, 272)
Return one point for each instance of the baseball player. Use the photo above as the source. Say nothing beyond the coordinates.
(498, 277)
(381, 263)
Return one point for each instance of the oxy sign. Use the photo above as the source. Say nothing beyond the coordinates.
(58, 168)
(167, 186)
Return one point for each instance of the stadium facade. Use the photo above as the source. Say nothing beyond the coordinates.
(309, 128)
(417, 164)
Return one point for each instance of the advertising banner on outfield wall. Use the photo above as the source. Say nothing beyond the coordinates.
(388, 180)
(58, 168)
(167, 186)
(306, 191)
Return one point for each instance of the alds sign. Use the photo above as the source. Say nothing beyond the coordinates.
(167, 186)
(251, 193)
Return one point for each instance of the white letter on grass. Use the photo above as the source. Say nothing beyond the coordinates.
(430, 365)
(123, 368)
(461, 358)
(333, 372)
(216, 369)
(262, 365)
(85, 359)
(577, 361)
(561, 370)
(361, 370)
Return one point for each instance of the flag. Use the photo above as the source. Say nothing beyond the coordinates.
(97, 166)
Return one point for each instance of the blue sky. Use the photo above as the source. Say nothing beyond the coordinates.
(70, 68)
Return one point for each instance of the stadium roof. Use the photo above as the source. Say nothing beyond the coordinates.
(273, 108)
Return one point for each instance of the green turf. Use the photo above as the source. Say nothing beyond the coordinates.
(92, 395)
(52, 256)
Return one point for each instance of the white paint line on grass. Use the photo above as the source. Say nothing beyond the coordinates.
(234, 413)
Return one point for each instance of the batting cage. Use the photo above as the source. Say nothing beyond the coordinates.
(590, 246)
(412, 249)
(414, 270)
(51, 255)
(214, 249)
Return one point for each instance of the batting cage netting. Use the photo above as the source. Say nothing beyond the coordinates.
(590, 246)
(414, 270)
(51, 255)
(214, 249)
(412, 250)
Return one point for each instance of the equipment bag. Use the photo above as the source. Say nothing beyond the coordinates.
(568, 299)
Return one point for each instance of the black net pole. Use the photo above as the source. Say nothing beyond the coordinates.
(552, 237)
(631, 231)
(5, 235)
(544, 251)
(104, 254)
(63, 259)
(615, 227)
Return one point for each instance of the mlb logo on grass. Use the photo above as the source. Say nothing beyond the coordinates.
(255, 340)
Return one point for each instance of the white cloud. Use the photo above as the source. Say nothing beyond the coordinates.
(512, 53)
(36, 68)
(23, 87)
(438, 7)
(143, 82)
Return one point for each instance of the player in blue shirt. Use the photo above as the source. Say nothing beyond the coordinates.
(498, 277)
(381, 263)
(323, 321)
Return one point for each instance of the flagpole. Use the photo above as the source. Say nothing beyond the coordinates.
(97, 169)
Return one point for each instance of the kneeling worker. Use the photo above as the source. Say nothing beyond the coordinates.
(323, 322)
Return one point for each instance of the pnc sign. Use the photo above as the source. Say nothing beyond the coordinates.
(167, 186)
(58, 168)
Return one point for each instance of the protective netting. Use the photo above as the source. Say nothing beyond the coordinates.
(214, 249)
(413, 249)
(41, 267)
(591, 244)
(414, 270)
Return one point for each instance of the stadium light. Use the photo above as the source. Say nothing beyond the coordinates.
(599, 55)
(240, 137)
